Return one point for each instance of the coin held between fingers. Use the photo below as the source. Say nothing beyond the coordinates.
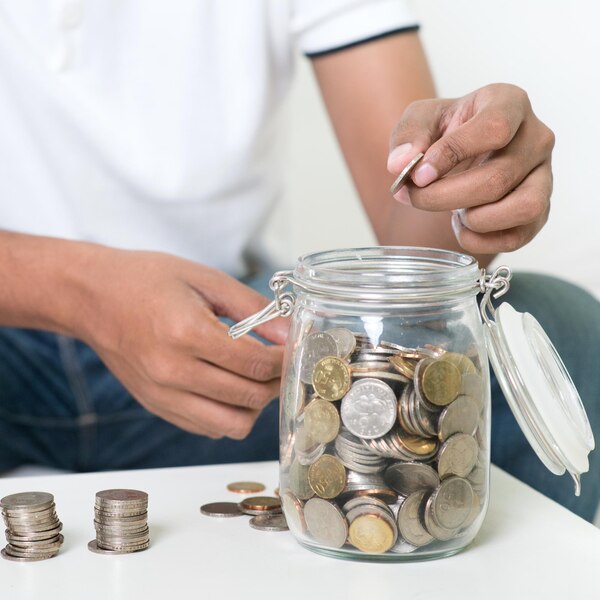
(405, 174)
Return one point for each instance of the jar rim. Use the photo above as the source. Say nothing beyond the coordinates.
(388, 272)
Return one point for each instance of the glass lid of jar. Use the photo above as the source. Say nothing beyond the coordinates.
(536, 384)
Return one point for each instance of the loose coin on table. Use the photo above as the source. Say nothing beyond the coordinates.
(260, 505)
(246, 487)
(269, 523)
(221, 509)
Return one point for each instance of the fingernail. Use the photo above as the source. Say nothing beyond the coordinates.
(395, 164)
(403, 196)
(425, 174)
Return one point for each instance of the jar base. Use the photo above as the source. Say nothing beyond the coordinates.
(351, 555)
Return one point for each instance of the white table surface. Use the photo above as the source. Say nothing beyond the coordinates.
(529, 548)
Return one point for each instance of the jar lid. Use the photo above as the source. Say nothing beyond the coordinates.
(540, 392)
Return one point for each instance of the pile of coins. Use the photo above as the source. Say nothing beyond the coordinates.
(383, 444)
(32, 526)
(121, 522)
(265, 510)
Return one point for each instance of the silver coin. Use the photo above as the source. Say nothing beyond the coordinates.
(298, 481)
(94, 547)
(410, 525)
(369, 409)
(315, 347)
(365, 500)
(28, 501)
(460, 416)
(457, 455)
(402, 547)
(8, 556)
(434, 528)
(475, 512)
(472, 385)
(221, 509)
(269, 523)
(344, 340)
(30, 536)
(409, 477)
(452, 502)
(115, 497)
(326, 523)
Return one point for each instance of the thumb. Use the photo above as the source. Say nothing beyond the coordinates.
(418, 128)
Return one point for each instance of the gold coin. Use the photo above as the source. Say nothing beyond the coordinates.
(403, 365)
(463, 363)
(327, 477)
(321, 421)
(417, 445)
(331, 378)
(441, 382)
(266, 503)
(370, 533)
(246, 487)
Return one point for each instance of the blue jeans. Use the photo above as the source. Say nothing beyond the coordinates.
(60, 406)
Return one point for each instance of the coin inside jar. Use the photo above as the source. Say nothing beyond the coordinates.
(315, 347)
(441, 382)
(327, 477)
(322, 421)
(326, 523)
(344, 340)
(371, 533)
(457, 455)
(331, 378)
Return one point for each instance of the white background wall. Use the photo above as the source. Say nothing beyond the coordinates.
(549, 47)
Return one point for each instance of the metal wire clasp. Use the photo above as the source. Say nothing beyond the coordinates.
(282, 306)
(493, 286)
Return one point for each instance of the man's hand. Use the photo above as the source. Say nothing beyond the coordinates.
(153, 319)
(487, 158)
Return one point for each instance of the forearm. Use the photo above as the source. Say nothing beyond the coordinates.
(43, 282)
(392, 73)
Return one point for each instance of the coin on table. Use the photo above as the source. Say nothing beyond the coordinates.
(369, 409)
(461, 416)
(410, 526)
(27, 501)
(258, 505)
(322, 421)
(326, 523)
(441, 382)
(405, 174)
(331, 378)
(298, 481)
(269, 523)
(463, 363)
(344, 340)
(315, 347)
(221, 509)
(327, 476)
(246, 487)
(457, 455)
(372, 534)
(452, 502)
(410, 477)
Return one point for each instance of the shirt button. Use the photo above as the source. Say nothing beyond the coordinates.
(72, 15)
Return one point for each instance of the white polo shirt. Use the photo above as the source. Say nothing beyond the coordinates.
(157, 124)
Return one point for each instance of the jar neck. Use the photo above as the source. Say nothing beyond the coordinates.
(388, 274)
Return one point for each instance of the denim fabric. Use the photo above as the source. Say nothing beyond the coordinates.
(59, 405)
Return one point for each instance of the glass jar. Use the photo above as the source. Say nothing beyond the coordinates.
(385, 402)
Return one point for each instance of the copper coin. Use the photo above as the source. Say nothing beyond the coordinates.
(246, 487)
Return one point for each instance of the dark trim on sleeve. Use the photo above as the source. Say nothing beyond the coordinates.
(407, 29)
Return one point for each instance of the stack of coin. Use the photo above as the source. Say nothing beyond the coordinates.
(121, 522)
(383, 444)
(33, 527)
